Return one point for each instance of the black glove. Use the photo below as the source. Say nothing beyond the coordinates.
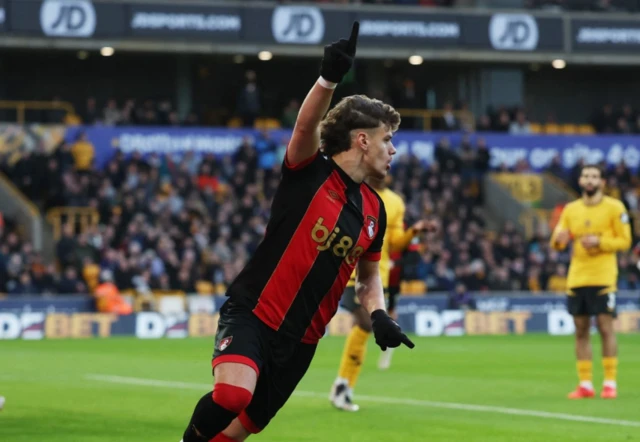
(387, 332)
(338, 56)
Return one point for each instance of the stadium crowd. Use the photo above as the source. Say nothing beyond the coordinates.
(165, 224)
(456, 116)
(609, 120)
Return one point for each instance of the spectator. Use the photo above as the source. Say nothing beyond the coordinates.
(23, 287)
(70, 284)
(558, 281)
(448, 160)
(112, 114)
(605, 121)
(83, 153)
(503, 122)
(484, 124)
(249, 105)
(290, 114)
(90, 114)
(448, 121)
(108, 298)
(520, 126)
(461, 299)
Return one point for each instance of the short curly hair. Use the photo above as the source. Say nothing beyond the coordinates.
(354, 112)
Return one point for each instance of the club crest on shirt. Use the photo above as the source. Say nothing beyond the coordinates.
(224, 343)
(371, 224)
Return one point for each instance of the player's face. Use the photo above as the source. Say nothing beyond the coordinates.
(590, 181)
(379, 152)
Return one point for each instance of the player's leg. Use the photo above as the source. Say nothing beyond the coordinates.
(274, 388)
(2, 401)
(236, 366)
(216, 411)
(584, 364)
(578, 307)
(604, 306)
(235, 432)
(609, 355)
(353, 357)
(384, 362)
(353, 353)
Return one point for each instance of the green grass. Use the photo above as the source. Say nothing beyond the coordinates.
(50, 398)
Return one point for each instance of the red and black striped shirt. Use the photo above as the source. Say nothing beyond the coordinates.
(322, 223)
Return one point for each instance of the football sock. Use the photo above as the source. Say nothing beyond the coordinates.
(353, 355)
(610, 366)
(585, 373)
(215, 411)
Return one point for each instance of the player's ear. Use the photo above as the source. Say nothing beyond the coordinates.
(363, 140)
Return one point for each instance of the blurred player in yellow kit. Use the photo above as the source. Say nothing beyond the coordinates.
(395, 239)
(599, 227)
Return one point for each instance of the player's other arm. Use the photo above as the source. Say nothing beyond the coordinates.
(619, 239)
(305, 140)
(371, 295)
(369, 286)
(561, 235)
(369, 290)
(368, 281)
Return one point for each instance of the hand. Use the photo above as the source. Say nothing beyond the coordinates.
(563, 237)
(590, 241)
(387, 332)
(338, 56)
(426, 225)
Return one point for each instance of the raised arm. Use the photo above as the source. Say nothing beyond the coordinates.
(338, 59)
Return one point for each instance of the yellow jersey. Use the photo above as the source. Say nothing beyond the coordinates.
(83, 154)
(395, 237)
(608, 220)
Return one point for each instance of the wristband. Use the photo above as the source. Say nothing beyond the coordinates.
(326, 84)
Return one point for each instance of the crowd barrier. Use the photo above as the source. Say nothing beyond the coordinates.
(429, 315)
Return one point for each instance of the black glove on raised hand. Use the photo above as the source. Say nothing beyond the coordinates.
(387, 332)
(338, 56)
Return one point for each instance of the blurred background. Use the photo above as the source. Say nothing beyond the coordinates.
(141, 144)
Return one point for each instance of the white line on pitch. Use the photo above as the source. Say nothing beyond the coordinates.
(385, 400)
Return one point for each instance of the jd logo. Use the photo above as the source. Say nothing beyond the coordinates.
(513, 32)
(297, 24)
(327, 240)
(68, 18)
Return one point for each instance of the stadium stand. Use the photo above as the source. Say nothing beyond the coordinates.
(163, 227)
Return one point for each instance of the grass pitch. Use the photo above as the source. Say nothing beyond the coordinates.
(493, 388)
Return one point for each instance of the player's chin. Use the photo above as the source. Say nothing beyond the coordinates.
(381, 173)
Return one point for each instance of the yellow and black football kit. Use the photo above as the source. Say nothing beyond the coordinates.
(593, 272)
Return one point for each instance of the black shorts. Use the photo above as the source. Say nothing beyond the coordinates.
(350, 301)
(591, 301)
(280, 361)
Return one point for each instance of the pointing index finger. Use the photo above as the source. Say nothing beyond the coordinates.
(406, 341)
(353, 38)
